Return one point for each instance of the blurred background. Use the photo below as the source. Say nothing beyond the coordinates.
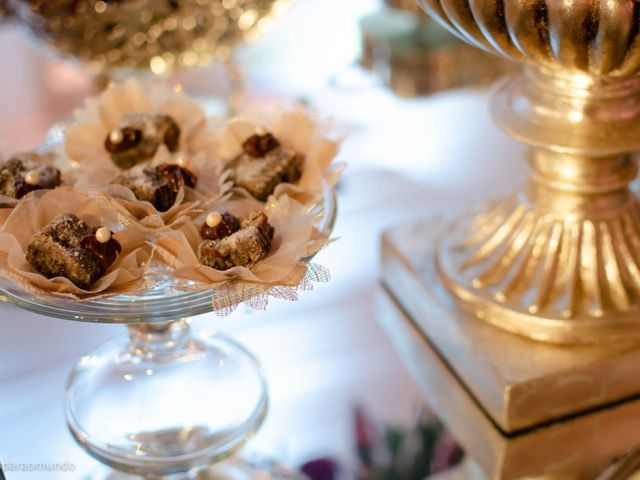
(411, 104)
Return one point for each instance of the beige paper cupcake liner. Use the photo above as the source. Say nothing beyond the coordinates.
(96, 171)
(146, 213)
(35, 212)
(52, 155)
(299, 131)
(100, 115)
(294, 234)
(210, 188)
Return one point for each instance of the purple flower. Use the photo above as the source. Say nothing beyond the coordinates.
(320, 469)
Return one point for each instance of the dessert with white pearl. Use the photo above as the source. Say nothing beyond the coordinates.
(219, 225)
(68, 247)
(138, 136)
(230, 242)
(158, 186)
(25, 172)
(264, 164)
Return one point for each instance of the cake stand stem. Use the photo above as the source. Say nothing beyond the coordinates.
(160, 341)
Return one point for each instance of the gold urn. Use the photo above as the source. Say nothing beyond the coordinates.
(558, 261)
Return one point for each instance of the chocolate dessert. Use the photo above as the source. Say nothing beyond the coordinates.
(26, 172)
(158, 186)
(69, 248)
(138, 137)
(263, 165)
(226, 246)
(219, 225)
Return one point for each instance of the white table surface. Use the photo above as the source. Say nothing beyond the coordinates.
(325, 353)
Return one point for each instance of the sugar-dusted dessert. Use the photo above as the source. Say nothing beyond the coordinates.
(229, 242)
(158, 186)
(138, 137)
(26, 172)
(68, 247)
(264, 164)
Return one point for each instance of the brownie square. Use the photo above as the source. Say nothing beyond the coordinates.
(141, 135)
(260, 176)
(12, 173)
(244, 248)
(150, 186)
(57, 251)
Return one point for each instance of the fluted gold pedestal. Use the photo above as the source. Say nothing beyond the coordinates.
(560, 261)
(520, 408)
(518, 382)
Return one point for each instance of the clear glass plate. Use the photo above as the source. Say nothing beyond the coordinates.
(161, 303)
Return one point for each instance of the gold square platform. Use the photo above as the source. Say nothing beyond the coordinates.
(580, 447)
(517, 384)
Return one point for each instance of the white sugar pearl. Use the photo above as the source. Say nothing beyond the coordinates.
(103, 235)
(261, 131)
(32, 178)
(182, 161)
(214, 219)
(116, 136)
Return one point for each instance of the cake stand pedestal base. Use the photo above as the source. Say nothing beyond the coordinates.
(519, 407)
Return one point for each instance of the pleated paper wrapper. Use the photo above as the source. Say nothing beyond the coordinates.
(126, 275)
(281, 274)
(298, 130)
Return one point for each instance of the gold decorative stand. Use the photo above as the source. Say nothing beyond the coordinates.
(579, 447)
(558, 263)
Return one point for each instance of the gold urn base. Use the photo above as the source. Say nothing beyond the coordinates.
(520, 408)
(558, 262)
(558, 277)
(520, 383)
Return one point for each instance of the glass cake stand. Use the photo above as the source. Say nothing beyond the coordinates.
(163, 401)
